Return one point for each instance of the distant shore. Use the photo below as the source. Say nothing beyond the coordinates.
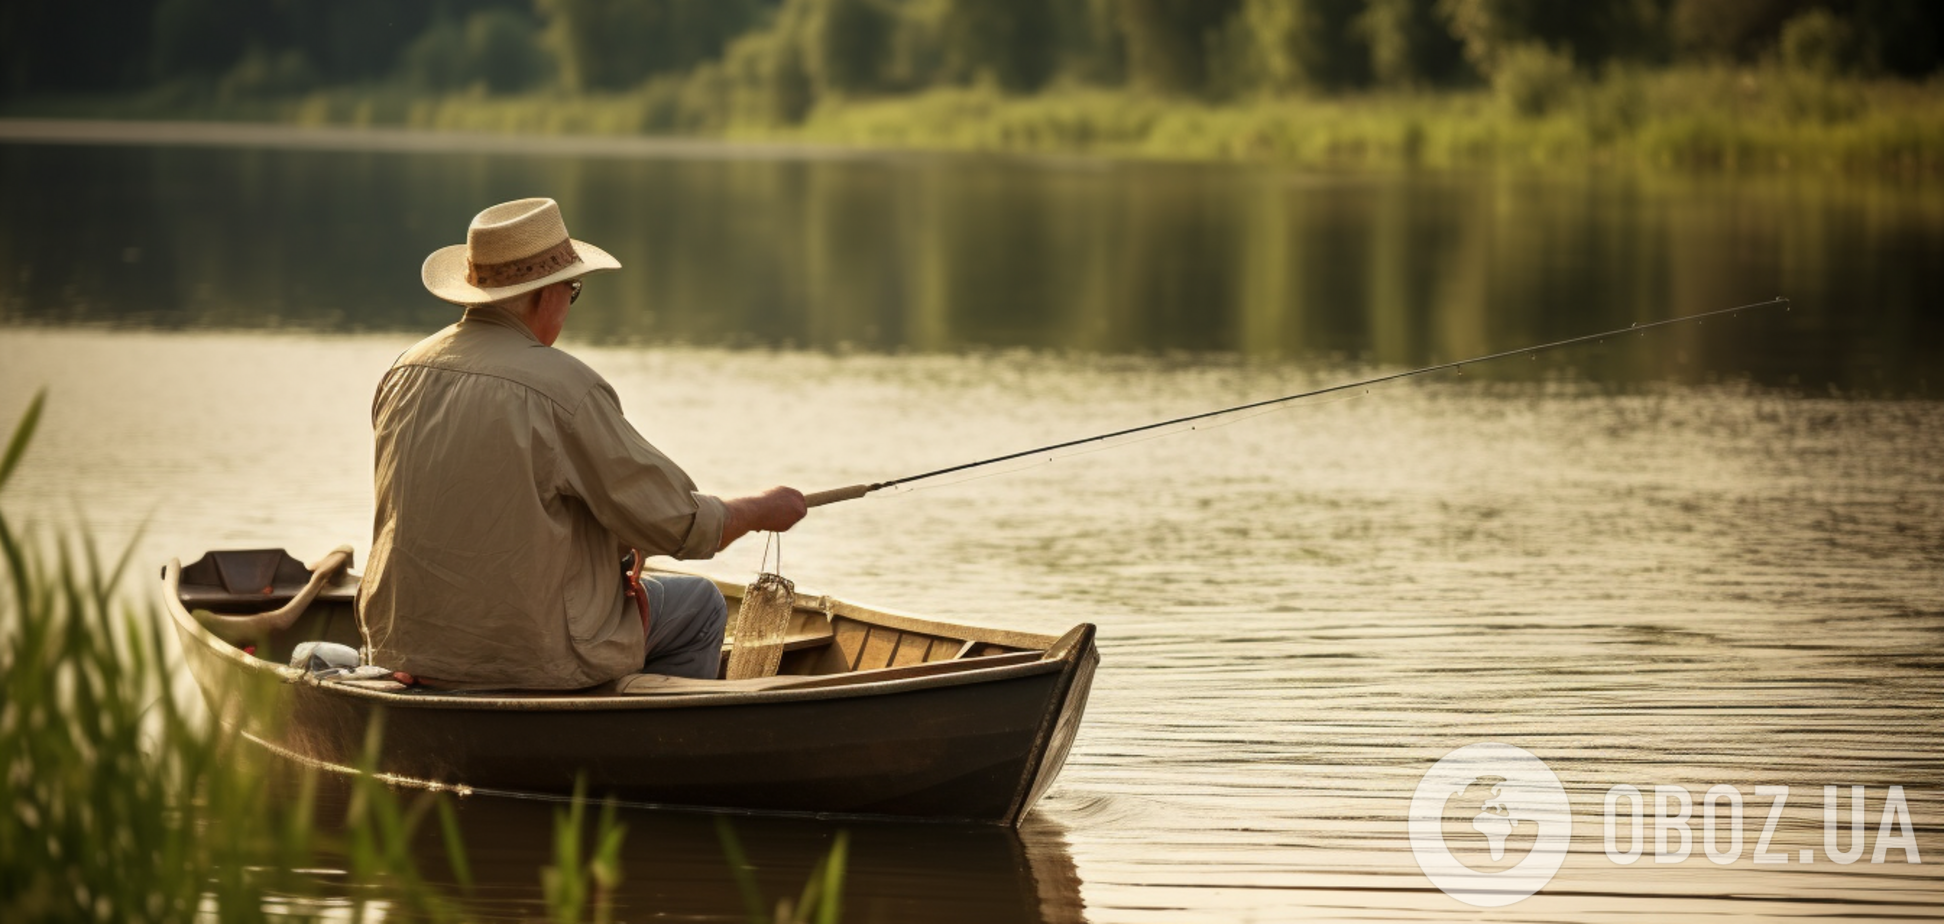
(1687, 120)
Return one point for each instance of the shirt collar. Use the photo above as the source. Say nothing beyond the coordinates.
(494, 314)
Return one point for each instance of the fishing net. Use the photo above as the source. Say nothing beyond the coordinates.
(760, 626)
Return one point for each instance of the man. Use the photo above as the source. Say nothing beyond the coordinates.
(509, 487)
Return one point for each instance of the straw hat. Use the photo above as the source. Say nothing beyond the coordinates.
(512, 248)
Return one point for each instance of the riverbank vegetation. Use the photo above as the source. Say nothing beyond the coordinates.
(1693, 84)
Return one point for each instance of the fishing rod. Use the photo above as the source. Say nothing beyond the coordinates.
(855, 491)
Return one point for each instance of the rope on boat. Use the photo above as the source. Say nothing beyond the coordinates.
(232, 627)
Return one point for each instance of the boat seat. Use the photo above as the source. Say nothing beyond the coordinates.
(664, 685)
(797, 641)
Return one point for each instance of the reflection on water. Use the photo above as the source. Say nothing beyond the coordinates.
(1299, 613)
(674, 866)
(942, 253)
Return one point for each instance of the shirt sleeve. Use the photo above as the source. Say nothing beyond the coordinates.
(638, 493)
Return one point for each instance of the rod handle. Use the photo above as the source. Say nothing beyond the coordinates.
(836, 494)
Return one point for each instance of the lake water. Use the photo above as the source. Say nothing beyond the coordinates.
(1675, 559)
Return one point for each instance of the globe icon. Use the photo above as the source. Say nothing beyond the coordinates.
(1496, 799)
(1488, 823)
(1495, 821)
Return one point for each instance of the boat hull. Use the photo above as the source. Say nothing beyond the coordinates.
(976, 745)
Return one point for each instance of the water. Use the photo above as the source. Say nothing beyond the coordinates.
(325, 231)
(1702, 575)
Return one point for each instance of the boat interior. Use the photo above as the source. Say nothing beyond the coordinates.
(824, 642)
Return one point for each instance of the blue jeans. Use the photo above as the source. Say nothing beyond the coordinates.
(686, 616)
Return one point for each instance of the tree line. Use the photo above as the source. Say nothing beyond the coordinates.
(786, 55)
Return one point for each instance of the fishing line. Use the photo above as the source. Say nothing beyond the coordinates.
(770, 538)
(859, 490)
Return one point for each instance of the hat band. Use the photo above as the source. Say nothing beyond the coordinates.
(513, 272)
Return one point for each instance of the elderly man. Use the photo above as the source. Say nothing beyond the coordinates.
(510, 486)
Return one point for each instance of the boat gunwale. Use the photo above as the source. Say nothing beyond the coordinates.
(893, 619)
(543, 701)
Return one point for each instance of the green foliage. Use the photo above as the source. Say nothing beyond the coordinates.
(1816, 42)
(616, 44)
(774, 61)
(22, 435)
(569, 884)
(497, 49)
(1728, 30)
(263, 73)
(844, 44)
(1167, 41)
(1406, 44)
(1589, 79)
(199, 37)
(1690, 119)
(763, 80)
(1303, 44)
(1591, 33)
(1531, 79)
(339, 41)
(1009, 43)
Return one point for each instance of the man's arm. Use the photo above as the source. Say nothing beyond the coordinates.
(774, 510)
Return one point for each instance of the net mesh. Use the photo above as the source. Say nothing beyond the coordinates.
(760, 626)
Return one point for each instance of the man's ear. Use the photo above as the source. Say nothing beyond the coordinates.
(526, 304)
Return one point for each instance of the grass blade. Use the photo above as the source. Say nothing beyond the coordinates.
(22, 435)
(454, 844)
(732, 851)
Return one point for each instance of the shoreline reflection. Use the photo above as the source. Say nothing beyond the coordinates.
(941, 255)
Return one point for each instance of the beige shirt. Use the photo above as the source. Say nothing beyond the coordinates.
(509, 486)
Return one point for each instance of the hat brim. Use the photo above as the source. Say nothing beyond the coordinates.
(444, 275)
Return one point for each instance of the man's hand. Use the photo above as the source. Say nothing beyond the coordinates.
(774, 510)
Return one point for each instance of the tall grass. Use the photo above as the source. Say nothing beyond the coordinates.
(121, 802)
(1707, 119)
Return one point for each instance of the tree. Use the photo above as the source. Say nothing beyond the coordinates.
(1167, 41)
(844, 44)
(1407, 43)
(616, 44)
(1592, 32)
(201, 38)
(1013, 42)
(1301, 43)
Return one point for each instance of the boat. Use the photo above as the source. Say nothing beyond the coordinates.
(871, 713)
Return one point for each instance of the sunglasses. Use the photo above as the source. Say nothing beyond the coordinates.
(573, 293)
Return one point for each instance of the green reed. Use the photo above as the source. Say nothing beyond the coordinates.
(121, 801)
(820, 902)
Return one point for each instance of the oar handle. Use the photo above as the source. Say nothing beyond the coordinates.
(836, 494)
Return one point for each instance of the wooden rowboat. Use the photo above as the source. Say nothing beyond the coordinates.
(872, 713)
